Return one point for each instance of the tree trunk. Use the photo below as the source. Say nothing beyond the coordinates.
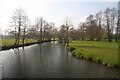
(19, 34)
(23, 37)
(40, 39)
(117, 29)
(109, 35)
(99, 34)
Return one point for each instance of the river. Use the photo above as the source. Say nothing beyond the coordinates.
(49, 60)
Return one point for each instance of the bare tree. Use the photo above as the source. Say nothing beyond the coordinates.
(45, 29)
(114, 19)
(13, 28)
(82, 30)
(39, 25)
(61, 33)
(24, 27)
(68, 24)
(54, 31)
(99, 18)
(18, 20)
(32, 32)
(90, 28)
(51, 30)
(118, 22)
(108, 18)
(71, 33)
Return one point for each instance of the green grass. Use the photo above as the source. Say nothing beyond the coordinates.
(105, 52)
(9, 42)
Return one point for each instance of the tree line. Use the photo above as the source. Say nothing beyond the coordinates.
(21, 29)
(104, 25)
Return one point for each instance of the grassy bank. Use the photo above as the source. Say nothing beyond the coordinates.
(9, 42)
(103, 52)
(6, 44)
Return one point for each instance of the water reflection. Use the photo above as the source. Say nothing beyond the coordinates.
(49, 60)
(0, 68)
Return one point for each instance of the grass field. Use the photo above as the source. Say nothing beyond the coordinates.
(9, 42)
(104, 52)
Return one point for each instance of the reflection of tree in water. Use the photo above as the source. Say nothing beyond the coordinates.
(40, 54)
(23, 61)
(20, 58)
(66, 59)
(17, 54)
(0, 67)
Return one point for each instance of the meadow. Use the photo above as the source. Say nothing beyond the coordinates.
(103, 52)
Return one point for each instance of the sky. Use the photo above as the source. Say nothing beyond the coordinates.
(53, 10)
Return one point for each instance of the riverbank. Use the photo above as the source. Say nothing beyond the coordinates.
(102, 52)
(7, 44)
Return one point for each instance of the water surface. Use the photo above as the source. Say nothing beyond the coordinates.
(50, 60)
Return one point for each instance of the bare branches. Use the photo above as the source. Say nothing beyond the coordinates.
(19, 21)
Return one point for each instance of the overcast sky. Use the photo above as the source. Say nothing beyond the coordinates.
(53, 10)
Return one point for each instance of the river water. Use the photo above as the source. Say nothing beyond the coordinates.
(49, 60)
